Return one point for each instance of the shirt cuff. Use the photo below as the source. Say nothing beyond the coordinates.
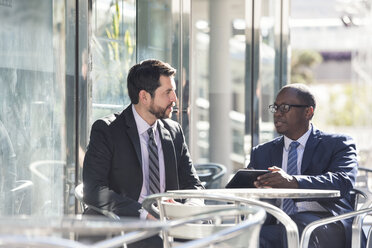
(194, 201)
(143, 214)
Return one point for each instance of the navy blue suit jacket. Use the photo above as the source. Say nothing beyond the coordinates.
(112, 172)
(329, 162)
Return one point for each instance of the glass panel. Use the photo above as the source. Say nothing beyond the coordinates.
(269, 66)
(339, 70)
(218, 76)
(32, 107)
(124, 34)
(113, 47)
(160, 35)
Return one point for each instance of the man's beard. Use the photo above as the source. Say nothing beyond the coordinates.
(159, 112)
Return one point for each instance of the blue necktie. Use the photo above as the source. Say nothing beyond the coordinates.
(288, 204)
(154, 175)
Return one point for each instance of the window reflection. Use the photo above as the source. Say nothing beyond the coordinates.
(113, 45)
(338, 70)
(31, 107)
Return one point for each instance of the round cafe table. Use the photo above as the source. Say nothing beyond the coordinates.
(270, 193)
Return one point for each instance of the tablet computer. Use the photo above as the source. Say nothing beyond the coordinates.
(244, 178)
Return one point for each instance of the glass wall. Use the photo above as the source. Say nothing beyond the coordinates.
(34, 108)
(113, 48)
(338, 70)
(239, 63)
(126, 32)
(63, 64)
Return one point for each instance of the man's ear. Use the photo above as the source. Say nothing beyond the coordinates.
(143, 96)
(309, 112)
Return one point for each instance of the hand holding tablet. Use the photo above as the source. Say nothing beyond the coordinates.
(244, 178)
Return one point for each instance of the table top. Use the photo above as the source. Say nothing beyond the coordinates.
(268, 193)
(89, 225)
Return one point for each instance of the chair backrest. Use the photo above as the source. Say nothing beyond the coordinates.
(363, 206)
(39, 232)
(355, 243)
(363, 201)
(245, 233)
(22, 195)
(79, 194)
(195, 230)
(363, 178)
(223, 201)
(9, 241)
(210, 174)
(369, 238)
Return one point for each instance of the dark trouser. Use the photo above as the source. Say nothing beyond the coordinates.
(152, 242)
(326, 236)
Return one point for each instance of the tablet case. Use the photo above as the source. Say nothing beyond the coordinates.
(244, 178)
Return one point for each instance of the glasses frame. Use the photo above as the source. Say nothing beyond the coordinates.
(274, 107)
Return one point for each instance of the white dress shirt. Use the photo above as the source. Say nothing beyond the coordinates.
(142, 127)
(305, 205)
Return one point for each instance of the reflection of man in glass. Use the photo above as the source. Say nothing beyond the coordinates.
(7, 172)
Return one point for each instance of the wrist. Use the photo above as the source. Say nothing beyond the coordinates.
(142, 213)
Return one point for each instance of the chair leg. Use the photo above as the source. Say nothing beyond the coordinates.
(369, 238)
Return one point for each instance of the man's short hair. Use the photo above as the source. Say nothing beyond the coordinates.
(303, 92)
(145, 76)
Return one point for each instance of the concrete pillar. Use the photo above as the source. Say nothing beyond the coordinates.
(220, 142)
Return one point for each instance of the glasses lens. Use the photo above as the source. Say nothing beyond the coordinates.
(272, 108)
(284, 108)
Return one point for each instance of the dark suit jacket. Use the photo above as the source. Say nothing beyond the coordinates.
(112, 173)
(329, 162)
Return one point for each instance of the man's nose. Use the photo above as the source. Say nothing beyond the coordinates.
(278, 113)
(173, 97)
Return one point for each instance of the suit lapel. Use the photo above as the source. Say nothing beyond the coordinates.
(133, 132)
(277, 157)
(311, 144)
(170, 164)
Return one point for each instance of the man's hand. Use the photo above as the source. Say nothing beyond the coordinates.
(150, 217)
(276, 179)
(172, 201)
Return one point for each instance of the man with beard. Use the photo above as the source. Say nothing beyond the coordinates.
(139, 151)
(306, 158)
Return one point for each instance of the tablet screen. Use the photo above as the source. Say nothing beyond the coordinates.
(244, 178)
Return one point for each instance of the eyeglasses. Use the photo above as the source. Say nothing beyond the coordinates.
(284, 108)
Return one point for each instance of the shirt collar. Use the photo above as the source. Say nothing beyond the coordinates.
(302, 140)
(142, 125)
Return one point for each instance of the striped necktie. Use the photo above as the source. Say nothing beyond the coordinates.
(154, 176)
(288, 204)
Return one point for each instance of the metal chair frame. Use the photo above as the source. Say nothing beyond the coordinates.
(359, 215)
(212, 177)
(79, 194)
(157, 199)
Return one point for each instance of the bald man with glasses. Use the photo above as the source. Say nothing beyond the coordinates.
(306, 158)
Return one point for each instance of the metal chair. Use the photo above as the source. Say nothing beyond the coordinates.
(47, 231)
(18, 241)
(369, 238)
(157, 205)
(210, 174)
(21, 192)
(244, 234)
(79, 194)
(305, 238)
(363, 177)
(360, 212)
